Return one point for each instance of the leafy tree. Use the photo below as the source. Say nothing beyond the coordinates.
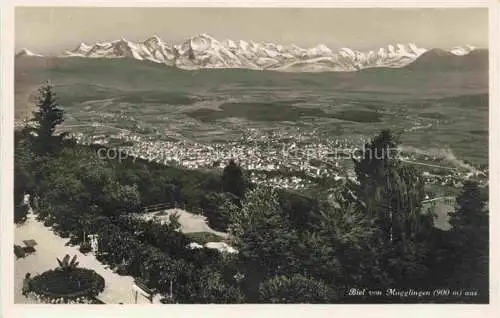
(263, 235)
(295, 289)
(346, 249)
(24, 164)
(173, 223)
(300, 209)
(233, 180)
(217, 207)
(123, 197)
(210, 287)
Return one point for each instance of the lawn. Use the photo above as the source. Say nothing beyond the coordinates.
(204, 237)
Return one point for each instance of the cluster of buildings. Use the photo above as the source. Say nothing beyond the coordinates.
(283, 159)
(455, 178)
(297, 159)
(438, 172)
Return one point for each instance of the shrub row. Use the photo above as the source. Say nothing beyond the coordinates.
(129, 246)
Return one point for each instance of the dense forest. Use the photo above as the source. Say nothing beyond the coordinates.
(370, 233)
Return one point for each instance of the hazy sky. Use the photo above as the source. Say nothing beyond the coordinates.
(50, 30)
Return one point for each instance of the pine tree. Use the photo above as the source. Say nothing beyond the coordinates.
(46, 119)
(391, 193)
(470, 239)
(471, 212)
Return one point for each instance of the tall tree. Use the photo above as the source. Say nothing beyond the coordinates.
(391, 193)
(264, 237)
(217, 208)
(24, 163)
(233, 180)
(47, 117)
(210, 287)
(470, 238)
(345, 253)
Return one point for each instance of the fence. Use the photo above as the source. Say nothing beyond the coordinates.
(448, 200)
(160, 207)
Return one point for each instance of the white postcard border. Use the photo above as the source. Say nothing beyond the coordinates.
(372, 311)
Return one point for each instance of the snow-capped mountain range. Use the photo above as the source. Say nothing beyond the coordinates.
(204, 51)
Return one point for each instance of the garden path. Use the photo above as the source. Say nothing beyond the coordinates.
(51, 246)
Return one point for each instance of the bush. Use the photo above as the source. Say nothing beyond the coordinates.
(85, 247)
(20, 213)
(70, 284)
(73, 240)
(167, 300)
(19, 251)
(204, 237)
(295, 289)
(122, 269)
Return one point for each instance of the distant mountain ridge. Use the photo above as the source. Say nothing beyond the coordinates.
(203, 51)
(438, 59)
(26, 52)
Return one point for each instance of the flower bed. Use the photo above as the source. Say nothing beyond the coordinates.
(68, 284)
(40, 299)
